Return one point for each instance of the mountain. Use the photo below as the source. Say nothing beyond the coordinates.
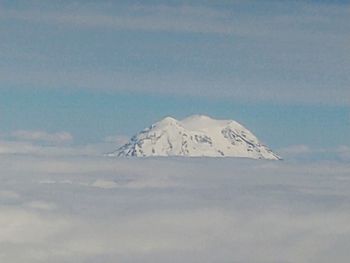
(196, 136)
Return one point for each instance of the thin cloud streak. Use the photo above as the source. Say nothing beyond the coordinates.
(198, 19)
(182, 84)
(305, 58)
(42, 136)
(173, 20)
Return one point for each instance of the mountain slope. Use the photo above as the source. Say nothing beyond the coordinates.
(195, 136)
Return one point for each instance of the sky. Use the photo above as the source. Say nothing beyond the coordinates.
(85, 72)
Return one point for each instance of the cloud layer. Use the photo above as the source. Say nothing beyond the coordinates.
(88, 209)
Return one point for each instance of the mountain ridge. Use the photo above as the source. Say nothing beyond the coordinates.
(195, 136)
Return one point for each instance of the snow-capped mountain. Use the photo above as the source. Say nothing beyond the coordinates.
(196, 136)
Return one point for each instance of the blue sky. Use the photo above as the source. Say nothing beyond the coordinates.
(101, 68)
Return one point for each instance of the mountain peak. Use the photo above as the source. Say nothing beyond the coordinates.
(197, 117)
(165, 122)
(168, 119)
(202, 122)
(196, 135)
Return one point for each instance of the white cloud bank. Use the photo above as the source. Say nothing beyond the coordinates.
(88, 209)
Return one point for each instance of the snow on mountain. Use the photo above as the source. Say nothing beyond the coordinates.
(196, 136)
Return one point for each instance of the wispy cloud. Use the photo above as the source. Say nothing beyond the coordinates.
(233, 87)
(344, 152)
(42, 143)
(27, 148)
(305, 152)
(192, 18)
(117, 139)
(290, 52)
(180, 18)
(42, 136)
(296, 150)
(156, 18)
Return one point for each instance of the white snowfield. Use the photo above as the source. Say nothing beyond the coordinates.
(196, 136)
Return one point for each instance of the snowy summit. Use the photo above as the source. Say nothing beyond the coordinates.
(196, 136)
